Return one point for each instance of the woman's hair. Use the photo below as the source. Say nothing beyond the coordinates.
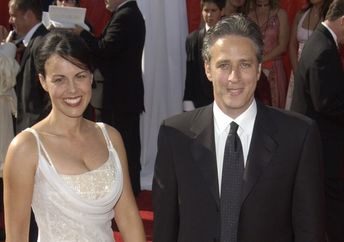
(323, 10)
(273, 4)
(65, 44)
(8, 72)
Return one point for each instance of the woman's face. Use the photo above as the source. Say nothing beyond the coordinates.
(66, 3)
(68, 86)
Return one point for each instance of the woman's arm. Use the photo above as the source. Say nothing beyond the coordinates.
(283, 37)
(126, 212)
(293, 43)
(19, 173)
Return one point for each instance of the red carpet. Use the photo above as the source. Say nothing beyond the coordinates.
(144, 202)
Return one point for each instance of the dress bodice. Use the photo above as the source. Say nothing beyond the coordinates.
(71, 208)
(302, 34)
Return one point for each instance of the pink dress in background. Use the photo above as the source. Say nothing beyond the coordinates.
(274, 69)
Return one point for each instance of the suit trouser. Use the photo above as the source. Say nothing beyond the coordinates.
(128, 124)
(334, 189)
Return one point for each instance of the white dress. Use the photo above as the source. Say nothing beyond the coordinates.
(302, 35)
(70, 208)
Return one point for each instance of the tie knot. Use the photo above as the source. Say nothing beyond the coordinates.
(234, 128)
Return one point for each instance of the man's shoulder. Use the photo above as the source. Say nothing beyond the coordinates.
(186, 119)
(285, 118)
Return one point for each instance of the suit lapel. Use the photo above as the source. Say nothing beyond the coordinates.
(262, 147)
(203, 150)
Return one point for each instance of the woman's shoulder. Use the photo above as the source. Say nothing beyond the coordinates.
(23, 149)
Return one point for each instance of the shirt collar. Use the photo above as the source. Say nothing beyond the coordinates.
(124, 3)
(332, 33)
(29, 34)
(245, 120)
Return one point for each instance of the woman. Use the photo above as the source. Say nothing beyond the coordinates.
(8, 99)
(73, 172)
(273, 23)
(305, 21)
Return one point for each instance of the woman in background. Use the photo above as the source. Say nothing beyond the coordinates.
(305, 21)
(72, 171)
(273, 23)
(8, 99)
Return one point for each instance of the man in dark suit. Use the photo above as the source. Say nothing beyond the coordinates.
(319, 94)
(198, 90)
(25, 16)
(280, 190)
(118, 55)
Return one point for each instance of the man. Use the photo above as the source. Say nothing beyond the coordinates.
(277, 193)
(319, 94)
(25, 17)
(198, 90)
(118, 55)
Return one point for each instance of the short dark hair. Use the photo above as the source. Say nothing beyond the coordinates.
(67, 45)
(236, 24)
(219, 3)
(336, 10)
(24, 5)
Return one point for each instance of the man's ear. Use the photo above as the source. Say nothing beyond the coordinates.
(43, 82)
(259, 71)
(207, 70)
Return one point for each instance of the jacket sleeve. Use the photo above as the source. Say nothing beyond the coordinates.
(165, 191)
(308, 195)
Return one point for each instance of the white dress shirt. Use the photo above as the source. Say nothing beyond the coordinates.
(222, 126)
(29, 35)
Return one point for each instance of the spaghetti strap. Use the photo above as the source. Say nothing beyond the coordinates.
(106, 135)
(41, 147)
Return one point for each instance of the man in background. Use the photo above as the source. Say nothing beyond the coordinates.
(198, 90)
(25, 17)
(319, 94)
(118, 54)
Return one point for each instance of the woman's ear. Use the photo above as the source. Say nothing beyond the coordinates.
(43, 82)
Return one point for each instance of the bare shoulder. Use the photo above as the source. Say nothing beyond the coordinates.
(22, 152)
(282, 13)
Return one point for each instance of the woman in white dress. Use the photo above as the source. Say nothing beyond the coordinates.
(8, 99)
(73, 172)
(305, 21)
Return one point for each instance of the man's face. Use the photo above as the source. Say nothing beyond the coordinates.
(19, 20)
(341, 30)
(234, 71)
(111, 5)
(211, 13)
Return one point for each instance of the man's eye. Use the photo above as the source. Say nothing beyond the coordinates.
(224, 66)
(245, 65)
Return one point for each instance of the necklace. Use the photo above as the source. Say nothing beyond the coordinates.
(262, 24)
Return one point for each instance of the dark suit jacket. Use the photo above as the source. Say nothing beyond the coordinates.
(33, 104)
(198, 88)
(319, 94)
(282, 195)
(118, 55)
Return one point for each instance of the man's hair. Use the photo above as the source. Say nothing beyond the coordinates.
(219, 3)
(238, 25)
(24, 5)
(336, 10)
